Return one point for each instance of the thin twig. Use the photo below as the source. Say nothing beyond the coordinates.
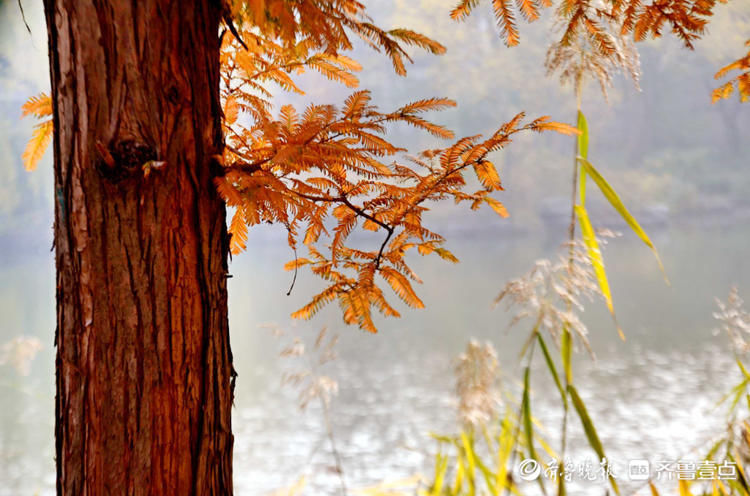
(227, 16)
(23, 16)
(571, 240)
(296, 268)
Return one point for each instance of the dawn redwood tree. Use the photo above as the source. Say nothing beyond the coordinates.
(144, 368)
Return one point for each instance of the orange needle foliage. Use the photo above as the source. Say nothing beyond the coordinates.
(41, 107)
(324, 171)
(687, 19)
(741, 81)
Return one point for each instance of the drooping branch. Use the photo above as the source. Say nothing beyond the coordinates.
(327, 162)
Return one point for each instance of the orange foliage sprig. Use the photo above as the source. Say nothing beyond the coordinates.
(39, 106)
(322, 172)
(741, 81)
(687, 19)
(602, 30)
(326, 26)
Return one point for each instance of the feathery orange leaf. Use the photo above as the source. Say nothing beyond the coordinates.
(37, 145)
(39, 105)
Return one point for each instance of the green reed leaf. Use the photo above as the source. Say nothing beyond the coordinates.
(552, 368)
(614, 199)
(590, 430)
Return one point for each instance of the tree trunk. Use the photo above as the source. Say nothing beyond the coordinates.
(144, 373)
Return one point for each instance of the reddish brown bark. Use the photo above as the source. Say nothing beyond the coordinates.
(144, 375)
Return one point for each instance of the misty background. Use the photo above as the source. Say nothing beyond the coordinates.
(679, 163)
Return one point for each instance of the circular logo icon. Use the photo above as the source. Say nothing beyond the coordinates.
(529, 469)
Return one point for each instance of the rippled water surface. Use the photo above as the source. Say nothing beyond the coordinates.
(651, 396)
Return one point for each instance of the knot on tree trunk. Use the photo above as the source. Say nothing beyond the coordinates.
(124, 159)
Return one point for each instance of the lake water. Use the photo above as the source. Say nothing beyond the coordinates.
(651, 396)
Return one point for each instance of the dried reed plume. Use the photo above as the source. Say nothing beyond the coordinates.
(309, 380)
(313, 385)
(590, 49)
(553, 293)
(477, 384)
(735, 320)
